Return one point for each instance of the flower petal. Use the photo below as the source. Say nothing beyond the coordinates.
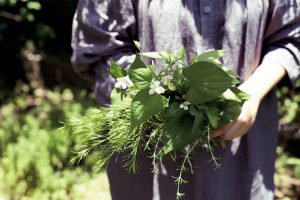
(151, 91)
(118, 85)
(123, 85)
(159, 90)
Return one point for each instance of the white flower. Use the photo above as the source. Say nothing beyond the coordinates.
(123, 83)
(156, 88)
(185, 105)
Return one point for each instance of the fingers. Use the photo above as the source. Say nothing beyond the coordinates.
(221, 131)
(233, 130)
(241, 125)
(239, 128)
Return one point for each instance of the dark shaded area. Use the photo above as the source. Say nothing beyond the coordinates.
(48, 34)
(11, 67)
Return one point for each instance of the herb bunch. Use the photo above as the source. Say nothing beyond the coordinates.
(161, 113)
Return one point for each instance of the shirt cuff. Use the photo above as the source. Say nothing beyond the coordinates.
(287, 60)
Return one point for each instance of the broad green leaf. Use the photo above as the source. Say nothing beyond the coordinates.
(140, 74)
(229, 71)
(207, 82)
(198, 114)
(241, 95)
(213, 114)
(212, 55)
(229, 95)
(144, 106)
(172, 112)
(116, 71)
(230, 111)
(168, 57)
(137, 63)
(141, 77)
(177, 128)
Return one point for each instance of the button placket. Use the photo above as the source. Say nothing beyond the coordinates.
(207, 10)
(206, 23)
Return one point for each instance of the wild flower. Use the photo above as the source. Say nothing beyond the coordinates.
(123, 83)
(156, 88)
(185, 105)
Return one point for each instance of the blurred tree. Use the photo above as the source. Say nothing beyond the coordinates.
(31, 29)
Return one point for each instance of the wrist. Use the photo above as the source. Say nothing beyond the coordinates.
(249, 88)
(264, 78)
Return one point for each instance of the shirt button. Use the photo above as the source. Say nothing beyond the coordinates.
(206, 9)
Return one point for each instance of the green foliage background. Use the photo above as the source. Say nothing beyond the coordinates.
(34, 159)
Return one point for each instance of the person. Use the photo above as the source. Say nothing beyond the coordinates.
(262, 43)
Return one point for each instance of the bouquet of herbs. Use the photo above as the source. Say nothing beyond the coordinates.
(160, 112)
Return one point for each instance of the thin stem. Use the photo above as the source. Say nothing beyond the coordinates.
(213, 158)
(155, 154)
(179, 180)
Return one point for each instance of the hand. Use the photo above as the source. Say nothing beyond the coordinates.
(242, 124)
(264, 78)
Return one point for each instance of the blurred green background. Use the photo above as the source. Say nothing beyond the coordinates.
(38, 90)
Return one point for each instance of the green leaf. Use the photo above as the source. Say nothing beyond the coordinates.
(198, 114)
(213, 55)
(140, 74)
(240, 94)
(168, 57)
(144, 106)
(154, 55)
(207, 81)
(177, 128)
(141, 77)
(230, 111)
(213, 114)
(229, 95)
(137, 63)
(116, 71)
(174, 115)
(229, 71)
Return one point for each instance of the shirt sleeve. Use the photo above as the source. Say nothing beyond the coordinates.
(282, 37)
(102, 30)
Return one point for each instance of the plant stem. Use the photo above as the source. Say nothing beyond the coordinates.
(213, 158)
(179, 180)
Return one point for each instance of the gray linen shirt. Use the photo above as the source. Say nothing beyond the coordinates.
(249, 31)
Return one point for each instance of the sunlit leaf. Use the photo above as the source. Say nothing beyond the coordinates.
(144, 106)
(207, 81)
